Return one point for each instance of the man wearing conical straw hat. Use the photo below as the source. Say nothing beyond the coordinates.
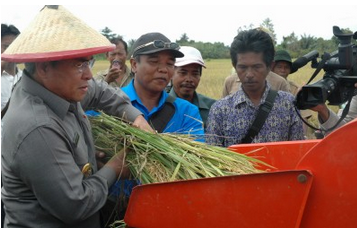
(49, 169)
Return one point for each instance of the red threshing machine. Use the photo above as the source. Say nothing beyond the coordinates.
(314, 185)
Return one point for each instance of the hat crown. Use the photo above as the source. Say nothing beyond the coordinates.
(144, 45)
(282, 55)
(191, 55)
(149, 37)
(56, 34)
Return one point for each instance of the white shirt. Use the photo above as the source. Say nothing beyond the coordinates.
(333, 117)
(7, 82)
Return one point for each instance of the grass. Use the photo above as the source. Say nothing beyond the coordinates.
(217, 70)
(213, 76)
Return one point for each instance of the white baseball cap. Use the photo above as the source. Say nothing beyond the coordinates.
(191, 55)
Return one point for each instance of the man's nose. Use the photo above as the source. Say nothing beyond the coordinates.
(189, 77)
(88, 75)
(249, 72)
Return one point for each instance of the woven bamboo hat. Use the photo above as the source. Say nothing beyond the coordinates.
(56, 34)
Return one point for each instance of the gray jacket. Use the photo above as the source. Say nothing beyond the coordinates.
(45, 145)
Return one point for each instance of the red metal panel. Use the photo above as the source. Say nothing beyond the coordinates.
(270, 200)
(333, 198)
(275, 199)
(280, 155)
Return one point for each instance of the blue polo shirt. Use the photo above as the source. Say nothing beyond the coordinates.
(186, 120)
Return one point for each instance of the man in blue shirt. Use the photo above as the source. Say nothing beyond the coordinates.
(153, 63)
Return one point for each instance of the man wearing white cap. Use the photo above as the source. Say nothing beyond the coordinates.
(187, 76)
(49, 168)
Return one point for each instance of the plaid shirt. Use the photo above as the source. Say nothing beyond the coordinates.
(231, 117)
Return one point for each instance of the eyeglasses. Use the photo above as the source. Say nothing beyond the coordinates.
(85, 65)
(158, 44)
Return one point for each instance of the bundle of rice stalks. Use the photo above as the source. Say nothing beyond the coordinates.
(164, 157)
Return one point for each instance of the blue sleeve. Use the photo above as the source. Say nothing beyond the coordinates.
(92, 113)
(194, 122)
(123, 187)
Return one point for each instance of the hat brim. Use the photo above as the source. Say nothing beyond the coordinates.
(283, 59)
(176, 53)
(189, 61)
(55, 56)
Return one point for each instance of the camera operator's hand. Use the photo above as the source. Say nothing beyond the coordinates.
(322, 111)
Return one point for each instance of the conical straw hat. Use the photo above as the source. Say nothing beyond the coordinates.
(56, 34)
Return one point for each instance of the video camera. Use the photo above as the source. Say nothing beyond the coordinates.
(340, 67)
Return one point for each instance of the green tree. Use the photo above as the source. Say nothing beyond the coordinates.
(107, 32)
(184, 39)
(291, 44)
(268, 24)
(130, 47)
(245, 27)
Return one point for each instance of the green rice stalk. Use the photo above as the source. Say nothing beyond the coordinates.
(164, 157)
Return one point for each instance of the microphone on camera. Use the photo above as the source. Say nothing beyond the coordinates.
(302, 61)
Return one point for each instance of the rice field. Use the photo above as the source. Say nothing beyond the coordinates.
(217, 70)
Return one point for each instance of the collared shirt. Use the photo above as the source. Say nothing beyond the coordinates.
(46, 143)
(232, 83)
(128, 76)
(203, 103)
(186, 119)
(231, 117)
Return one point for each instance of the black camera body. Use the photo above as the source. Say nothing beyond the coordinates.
(340, 75)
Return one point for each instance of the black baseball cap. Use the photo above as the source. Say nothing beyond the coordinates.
(155, 42)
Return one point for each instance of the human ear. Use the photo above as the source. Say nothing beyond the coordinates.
(133, 64)
(42, 69)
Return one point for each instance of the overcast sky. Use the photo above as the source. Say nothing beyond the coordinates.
(206, 23)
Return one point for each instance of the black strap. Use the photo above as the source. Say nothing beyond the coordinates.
(4, 110)
(160, 119)
(319, 67)
(263, 113)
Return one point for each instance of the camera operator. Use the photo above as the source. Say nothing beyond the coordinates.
(327, 118)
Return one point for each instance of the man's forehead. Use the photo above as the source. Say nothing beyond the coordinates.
(86, 58)
(190, 66)
(81, 59)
